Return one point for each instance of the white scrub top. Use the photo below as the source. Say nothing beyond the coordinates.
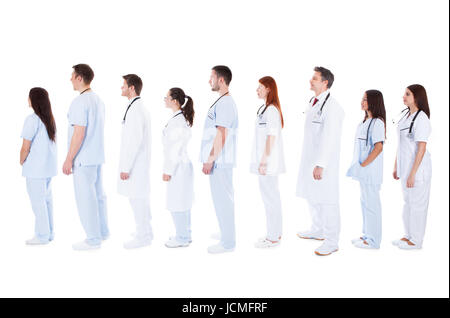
(407, 146)
(224, 114)
(268, 123)
(41, 161)
(180, 188)
(364, 144)
(88, 110)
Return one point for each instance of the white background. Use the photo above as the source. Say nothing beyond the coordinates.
(385, 45)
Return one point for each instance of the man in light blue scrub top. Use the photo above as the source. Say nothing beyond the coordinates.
(218, 155)
(85, 158)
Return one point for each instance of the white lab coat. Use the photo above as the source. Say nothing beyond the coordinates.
(176, 136)
(321, 147)
(135, 152)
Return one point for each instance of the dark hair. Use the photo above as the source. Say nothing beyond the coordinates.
(272, 96)
(135, 81)
(420, 98)
(42, 108)
(85, 71)
(326, 75)
(188, 109)
(224, 72)
(375, 104)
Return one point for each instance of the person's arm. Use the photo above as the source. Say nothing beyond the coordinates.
(270, 141)
(421, 149)
(218, 144)
(75, 145)
(394, 174)
(377, 149)
(25, 150)
(176, 139)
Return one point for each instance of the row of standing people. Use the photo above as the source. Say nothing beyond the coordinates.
(318, 178)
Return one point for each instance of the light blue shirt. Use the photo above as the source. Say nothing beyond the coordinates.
(372, 173)
(224, 114)
(41, 161)
(88, 110)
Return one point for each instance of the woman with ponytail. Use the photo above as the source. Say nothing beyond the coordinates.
(367, 167)
(38, 160)
(268, 158)
(413, 165)
(177, 170)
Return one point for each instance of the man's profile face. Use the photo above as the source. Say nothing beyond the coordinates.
(316, 82)
(214, 81)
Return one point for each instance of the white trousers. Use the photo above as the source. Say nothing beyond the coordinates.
(326, 222)
(142, 216)
(40, 193)
(270, 194)
(415, 210)
(371, 211)
(182, 221)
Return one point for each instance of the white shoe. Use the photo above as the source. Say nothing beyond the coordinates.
(218, 248)
(405, 246)
(35, 241)
(265, 243)
(307, 235)
(397, 242)
(361, 244)
(174, 243)
(137, 243)
(216, 236)
(84, 246)
(357, 240)
(326, 249)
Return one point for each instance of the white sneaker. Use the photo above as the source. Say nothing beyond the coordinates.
(84, 246)
(137, 243)
(357, 240)
(307, 235)
(397, 242)
(361, 244)
(216, 236)
(174, 243)
(405, 246)
(265, 243)
(218, 248)
(35, 241)
(326, 249)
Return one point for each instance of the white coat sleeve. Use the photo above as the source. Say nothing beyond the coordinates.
(132, 136)
(422, 128)
(273, 121)
(330, 136)
(172, 149)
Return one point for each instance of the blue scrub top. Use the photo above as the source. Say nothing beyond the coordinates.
(42, 159)
(88, 110)
(373, 173)
(223, 113)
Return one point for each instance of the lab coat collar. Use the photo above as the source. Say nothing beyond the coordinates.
(133, 99)
(323, 95)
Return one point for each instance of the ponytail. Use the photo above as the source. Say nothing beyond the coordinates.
(188, 109)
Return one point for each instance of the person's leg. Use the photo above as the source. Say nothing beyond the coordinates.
(37, 193)
(49, 201)
(271, 197)
(84, 179)
(142, 216)
(406, 210)
(370, 200)
(182, 221)
(363, 199)
(317, 220)
(221, 183)
(419, 199)
(101, 202)
(331, 228)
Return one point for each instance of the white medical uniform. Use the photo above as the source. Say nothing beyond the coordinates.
(88, 110)
(268, 123)
(180, 188)
(321, 147)
(416, 198)
(223, 113)
(135, 160)
(368, 133)
(38, 169)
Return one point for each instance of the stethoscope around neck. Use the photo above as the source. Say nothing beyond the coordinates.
(128, 108)
(368, 130)
(319, 113)
(407, 110)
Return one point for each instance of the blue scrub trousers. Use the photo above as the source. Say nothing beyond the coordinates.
(371, 211)
(221, 183)
(182, 221)
(91, 202)
(40, 193)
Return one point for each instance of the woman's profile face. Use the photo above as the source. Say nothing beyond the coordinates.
(262, 91)
(29, 102)
(364, 103)
(408, 98)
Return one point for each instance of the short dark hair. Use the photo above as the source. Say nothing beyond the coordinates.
(224, 72)
(325, 74)
(134, 80)
(85, 71)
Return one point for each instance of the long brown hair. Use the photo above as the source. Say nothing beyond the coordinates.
(272, 96)
(420, 98)
(188, 109)
(40, 103)
(375, 104)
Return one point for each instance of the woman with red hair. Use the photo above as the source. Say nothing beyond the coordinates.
(268, 158)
